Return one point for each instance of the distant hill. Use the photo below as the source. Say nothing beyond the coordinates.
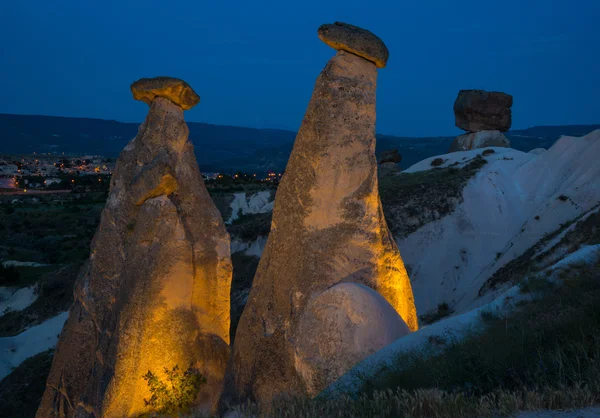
(224, 148)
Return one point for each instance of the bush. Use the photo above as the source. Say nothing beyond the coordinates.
(437, 162)
(177, 394)
(443, 310)
(487, 152)
(8, 275)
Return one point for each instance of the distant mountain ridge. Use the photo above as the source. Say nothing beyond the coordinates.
(225, 148)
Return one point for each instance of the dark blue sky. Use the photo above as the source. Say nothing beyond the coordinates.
(254, 63)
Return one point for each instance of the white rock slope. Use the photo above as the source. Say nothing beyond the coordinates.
(510, 204)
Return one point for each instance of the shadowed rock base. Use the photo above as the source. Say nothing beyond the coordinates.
(328, 228)
(155, 291)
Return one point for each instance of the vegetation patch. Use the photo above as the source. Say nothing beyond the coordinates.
(22, 390)
(586, 231)
(55, 295)
(443, 310)
(251, 226)
(49, 229)
(411, 200)
(177, 393)
(244, 269)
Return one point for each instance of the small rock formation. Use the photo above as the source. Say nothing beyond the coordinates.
(480, 139)
(388, 162)
(484, 115)
(328, 237)
(390, 156)
(155, 291)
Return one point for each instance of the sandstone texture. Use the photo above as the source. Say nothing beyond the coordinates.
(480, 139)
(174, 89)
(479, 110)
(328, 228)
(155, 290)
(341, 326)
(361, 42)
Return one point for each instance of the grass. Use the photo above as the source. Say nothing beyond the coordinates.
(443, 310)
(56, 230)
(411, 200)
(429, 403)
(586, 232)
(22, 390)
(55, 295)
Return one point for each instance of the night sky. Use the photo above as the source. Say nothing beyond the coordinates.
(254, 63)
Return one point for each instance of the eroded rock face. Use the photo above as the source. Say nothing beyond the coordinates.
(480, 139)
(328, 227)
(339, 328)
(174, 89)
(155, 291)
(479, 110)
(361, 42)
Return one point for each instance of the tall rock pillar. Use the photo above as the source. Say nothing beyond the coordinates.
(155, 291)
(331, 287)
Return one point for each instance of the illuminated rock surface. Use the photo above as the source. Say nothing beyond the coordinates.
(174, 89)
(361, 42)
(480, 139)
(357, 322)
(328, 227)
(155, 291)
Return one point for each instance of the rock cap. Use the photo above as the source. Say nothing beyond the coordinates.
(358, 41)
(480, 110)
(174, 89)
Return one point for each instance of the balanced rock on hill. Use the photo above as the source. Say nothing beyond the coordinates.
(479, 110)
(155, 291)
(328, 237)
(484, 115)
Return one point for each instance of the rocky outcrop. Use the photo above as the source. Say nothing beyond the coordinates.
(484, 115)
(479, 110)
(155, 291)
(328, 228)
(390, 156)
(361, 42)
(480, 139)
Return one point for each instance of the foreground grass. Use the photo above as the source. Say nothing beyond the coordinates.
(546, 355)
(431, 403)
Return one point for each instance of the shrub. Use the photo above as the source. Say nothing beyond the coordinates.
(177, 393)
(487, 152)
(437, 162)
(8, 275)
(442, 311)
(563, 198)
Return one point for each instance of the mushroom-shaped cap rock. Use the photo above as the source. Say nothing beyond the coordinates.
(355, 40)
(174, 89)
